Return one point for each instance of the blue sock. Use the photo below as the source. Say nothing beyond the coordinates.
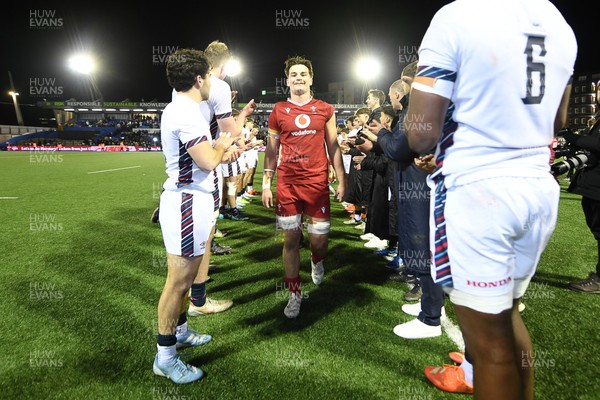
(198, 294)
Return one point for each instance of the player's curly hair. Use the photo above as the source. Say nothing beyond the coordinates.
(183, 66)
(295, 60)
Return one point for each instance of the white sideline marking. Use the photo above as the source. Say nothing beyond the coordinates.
(453, 332)
(114, 169)
(451, 329)
(8, 198)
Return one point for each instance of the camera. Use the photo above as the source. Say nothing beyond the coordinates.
(576, 158)
(360, 137)
(375, 115)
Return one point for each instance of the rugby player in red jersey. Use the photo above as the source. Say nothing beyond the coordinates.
(302, 135)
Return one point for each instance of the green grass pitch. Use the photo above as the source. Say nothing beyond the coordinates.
(83, 268)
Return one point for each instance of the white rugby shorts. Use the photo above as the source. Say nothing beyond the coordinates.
(489, 237)
(186, 220)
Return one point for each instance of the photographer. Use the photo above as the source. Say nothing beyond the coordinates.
(586, 182)
(358, 187)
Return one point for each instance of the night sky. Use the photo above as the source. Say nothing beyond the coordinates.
(131, 44)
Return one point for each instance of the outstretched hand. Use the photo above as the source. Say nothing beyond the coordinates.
(250, 107)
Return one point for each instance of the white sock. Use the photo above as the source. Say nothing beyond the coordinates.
(250, 188)
(166, 354)
(181, 329)
(467, 368)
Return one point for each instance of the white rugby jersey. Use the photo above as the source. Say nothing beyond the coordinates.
(505, 65)
(182, 127)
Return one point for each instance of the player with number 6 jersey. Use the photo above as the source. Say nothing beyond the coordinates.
(506, 66)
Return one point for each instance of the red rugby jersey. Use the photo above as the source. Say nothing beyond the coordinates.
(301, 129)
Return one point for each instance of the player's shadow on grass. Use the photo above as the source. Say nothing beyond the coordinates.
(556, 280)
(564, 198)
(249, 280)
(340, 287)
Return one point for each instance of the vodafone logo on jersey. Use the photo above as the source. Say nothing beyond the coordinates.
(302, 121)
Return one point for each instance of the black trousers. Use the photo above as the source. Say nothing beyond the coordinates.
(591, 209)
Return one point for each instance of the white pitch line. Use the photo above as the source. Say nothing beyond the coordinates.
(8, 198)
(114, 169)
(453, 332)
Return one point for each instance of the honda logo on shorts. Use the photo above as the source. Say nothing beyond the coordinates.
(490, 284)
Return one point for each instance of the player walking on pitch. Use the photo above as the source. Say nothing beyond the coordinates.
(302, 133)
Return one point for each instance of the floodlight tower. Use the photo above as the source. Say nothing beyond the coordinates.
(13, 93)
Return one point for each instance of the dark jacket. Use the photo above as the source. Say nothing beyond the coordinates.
(378, 214)
(358, 187)
(412, 197)
(586, 181)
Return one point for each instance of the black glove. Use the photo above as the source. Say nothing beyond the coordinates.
(570, 137)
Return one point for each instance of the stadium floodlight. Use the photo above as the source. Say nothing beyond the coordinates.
(13, 93)
(367, 68)
(233, 67)
(82, 63)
